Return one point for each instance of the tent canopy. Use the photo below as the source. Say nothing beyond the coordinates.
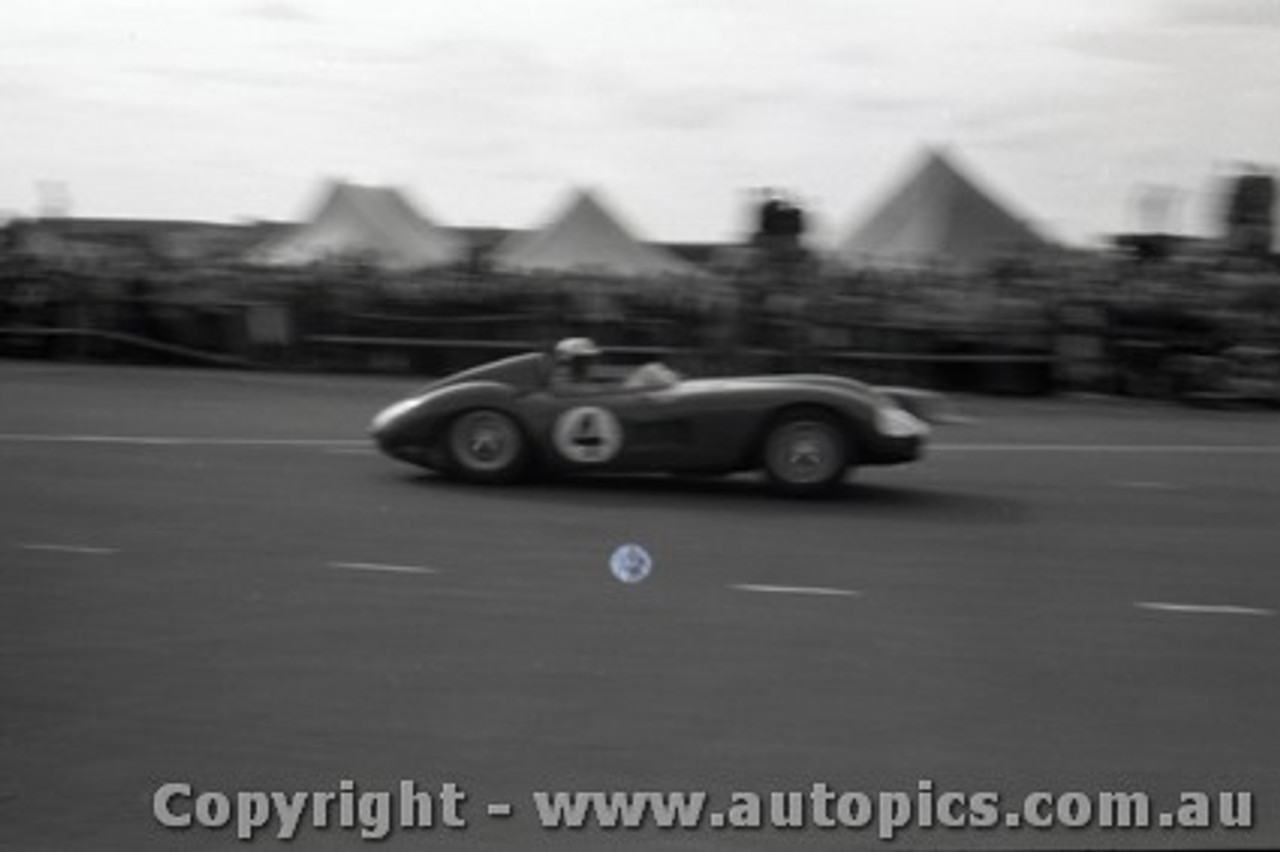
(585, 237)
(938, 214)
(371, 224)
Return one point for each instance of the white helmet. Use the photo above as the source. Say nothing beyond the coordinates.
(575, 347)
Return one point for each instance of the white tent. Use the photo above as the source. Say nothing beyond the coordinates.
(371, 224)
(584, 237)
(937, 215)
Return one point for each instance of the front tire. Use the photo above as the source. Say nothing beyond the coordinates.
(806, 454)
(486, 446)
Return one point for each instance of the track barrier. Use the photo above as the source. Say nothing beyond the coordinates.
(1084, 346)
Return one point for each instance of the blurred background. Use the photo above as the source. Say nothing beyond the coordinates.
(1009, 199)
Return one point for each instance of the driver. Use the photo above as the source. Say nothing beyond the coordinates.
(574, 358)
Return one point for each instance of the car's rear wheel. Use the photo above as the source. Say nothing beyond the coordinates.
(486, 445)
(806, 453)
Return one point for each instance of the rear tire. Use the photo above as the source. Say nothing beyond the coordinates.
(486, 446)
(806, 454)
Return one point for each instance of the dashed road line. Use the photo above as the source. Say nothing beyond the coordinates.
(1208, 609)
(381, 566)
(170, 441)
(361, 445)
(1148, 449)
(1148, 485)
(79, 549)
(343, 443)
(766, 588)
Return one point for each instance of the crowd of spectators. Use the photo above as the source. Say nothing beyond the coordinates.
(1129, 317)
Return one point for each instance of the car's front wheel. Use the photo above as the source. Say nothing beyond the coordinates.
(486, 445)
(806, 453)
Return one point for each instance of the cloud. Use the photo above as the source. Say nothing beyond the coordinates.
(681, 109)
(223, 76)
(1220, 13)
(278, 11)
(854, 56)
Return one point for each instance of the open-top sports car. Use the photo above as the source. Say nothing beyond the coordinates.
(564, 412)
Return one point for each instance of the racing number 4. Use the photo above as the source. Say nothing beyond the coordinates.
(588, 435)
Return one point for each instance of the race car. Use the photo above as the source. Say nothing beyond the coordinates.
(564, 412)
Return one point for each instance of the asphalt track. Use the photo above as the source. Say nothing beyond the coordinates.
(197, 584)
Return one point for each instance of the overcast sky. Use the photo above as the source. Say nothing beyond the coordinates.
(489, 111)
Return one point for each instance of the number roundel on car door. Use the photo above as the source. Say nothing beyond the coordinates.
(588, 435)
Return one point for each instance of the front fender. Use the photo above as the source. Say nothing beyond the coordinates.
(412, 428)
(929, 406)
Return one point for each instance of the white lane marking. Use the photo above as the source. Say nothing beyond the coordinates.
(159, 440)
(81, 549)
(343, 443)
(1211, 609)
(379, 566)
(793, 590)
(1147, 485)
(1174, 449)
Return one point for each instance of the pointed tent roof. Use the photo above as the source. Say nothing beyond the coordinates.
(938, 213)
(585, 237)
(371, 223)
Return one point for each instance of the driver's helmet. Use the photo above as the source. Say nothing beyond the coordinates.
(575, 347)
(576, 354)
